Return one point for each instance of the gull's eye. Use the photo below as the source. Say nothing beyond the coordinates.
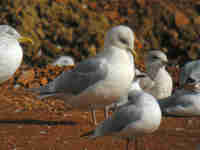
(123, 41)
(154, 57)
(190, 80)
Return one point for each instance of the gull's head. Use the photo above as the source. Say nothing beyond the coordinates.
(156, 57)
(190, 76)
(10, 32)
(193, 82)
(121, 37)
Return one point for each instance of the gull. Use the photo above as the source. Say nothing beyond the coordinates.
(186, 101)
(140, 115)
(10, 51)
(97, 81)
(158, 82)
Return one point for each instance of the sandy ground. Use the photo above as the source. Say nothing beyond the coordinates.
(27, 123)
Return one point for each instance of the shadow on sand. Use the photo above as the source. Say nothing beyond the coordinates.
(37, 122)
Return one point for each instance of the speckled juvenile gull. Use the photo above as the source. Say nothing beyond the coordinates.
(10, 51)
(185, 102)
(141, 115)
(64, 61)
(158, 82)
(100, 80)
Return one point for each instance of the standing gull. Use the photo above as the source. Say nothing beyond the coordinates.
(10, 51)
(97, 81)
(185, 102)
(141, 115)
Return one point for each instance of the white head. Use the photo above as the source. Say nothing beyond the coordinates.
(156, 57)
(9, 32)
(154, 61)
(121, 37)
(190, 76)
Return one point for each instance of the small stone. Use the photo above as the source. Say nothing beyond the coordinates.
(19, 127)
(179, 129)
(43, 132)
(18, 110)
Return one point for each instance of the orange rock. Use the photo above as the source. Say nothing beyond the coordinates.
(197, 20)
(43, 80)
(141, 3)
(193, 53)
(93, 5)
(181, 19)
(26, 77)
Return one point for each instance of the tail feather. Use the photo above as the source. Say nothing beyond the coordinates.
(40, 90)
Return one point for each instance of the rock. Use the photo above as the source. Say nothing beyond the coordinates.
(181, 19)
(141, 3)
(64, 61)
(173, 33)
(197, 20)
(194, 51)
(26, 77)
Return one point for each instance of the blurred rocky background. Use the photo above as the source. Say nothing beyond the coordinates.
(77, 27)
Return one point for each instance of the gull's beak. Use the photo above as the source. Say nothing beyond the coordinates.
(25, 40)
(133, 52)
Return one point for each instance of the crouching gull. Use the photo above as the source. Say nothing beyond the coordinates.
(139, 116)
(185, 102)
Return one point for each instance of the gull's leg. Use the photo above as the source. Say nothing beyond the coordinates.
(127, 143)
(111, 107)
(106, 111)
(93, 113)
(136, 144)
